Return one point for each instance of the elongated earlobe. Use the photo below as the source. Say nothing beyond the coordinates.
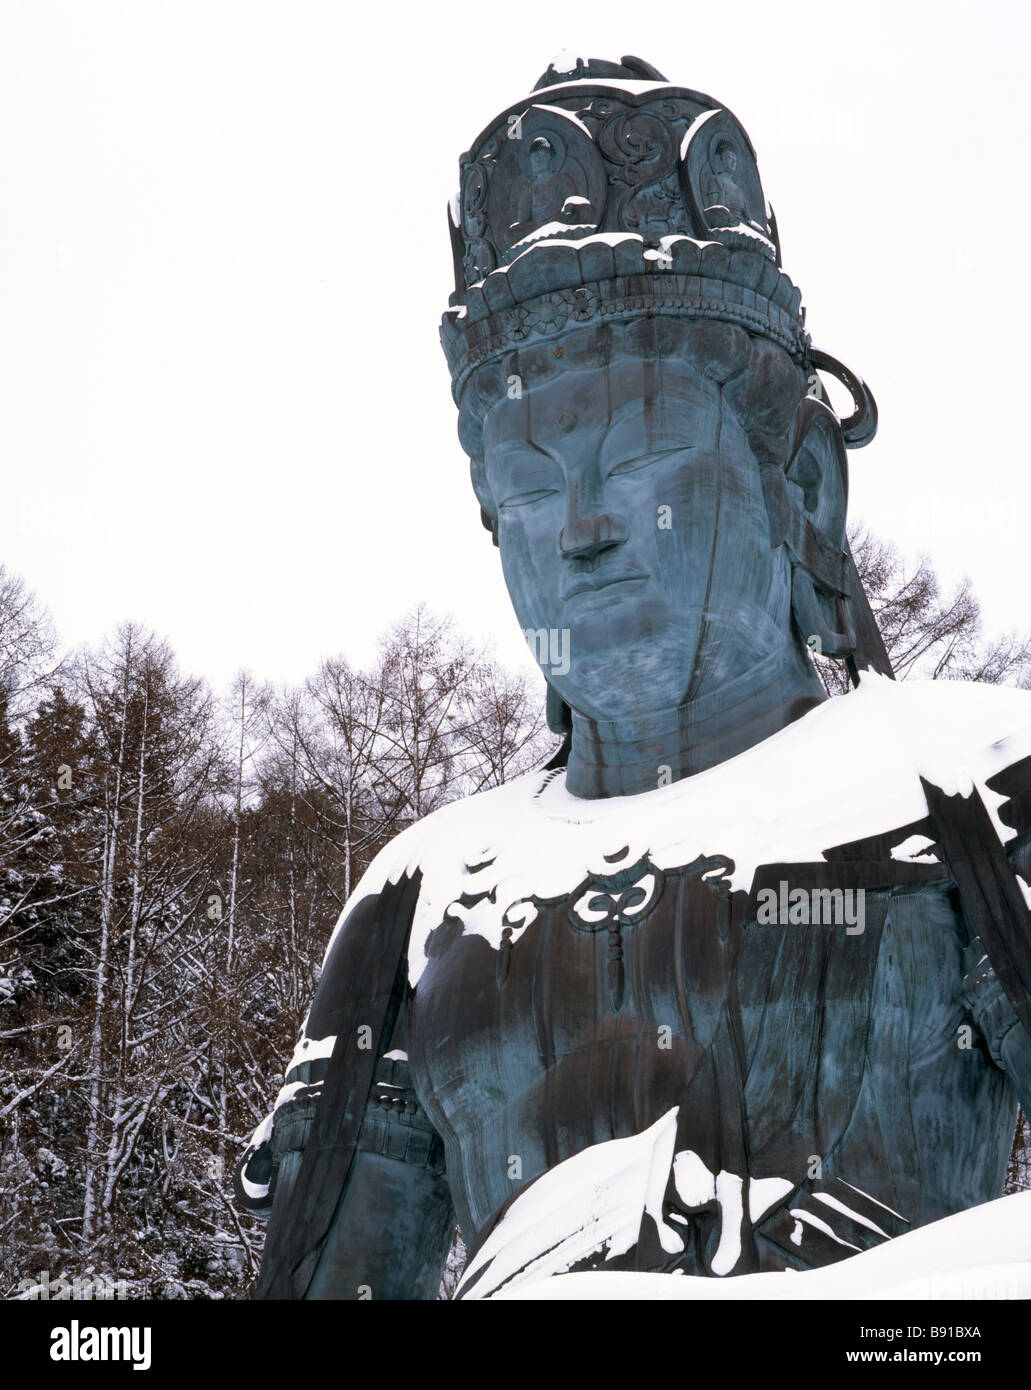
(824, 620)
(488, 511)
(807, 504)
(821, 602)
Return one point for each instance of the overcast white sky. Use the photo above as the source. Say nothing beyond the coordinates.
(223, 257)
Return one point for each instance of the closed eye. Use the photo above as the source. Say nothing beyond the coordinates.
(634, 465)
(524, 499)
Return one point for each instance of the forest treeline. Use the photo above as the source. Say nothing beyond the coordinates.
(172, 866)
(172, 862)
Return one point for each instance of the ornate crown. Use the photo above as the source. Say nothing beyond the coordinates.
(615, 195)
(610, 196)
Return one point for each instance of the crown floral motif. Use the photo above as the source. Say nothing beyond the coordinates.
(610, 194)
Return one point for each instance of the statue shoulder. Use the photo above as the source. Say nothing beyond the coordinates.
(440, 845)
(451, 831)
(952, 728)
(968, 699)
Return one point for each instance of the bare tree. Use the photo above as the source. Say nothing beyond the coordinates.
(928, 634)
(27, 642)
(331, 730)
(506, 733)
(155, 729)
(423, 679)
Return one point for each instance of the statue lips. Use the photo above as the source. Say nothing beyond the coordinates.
(591, 584)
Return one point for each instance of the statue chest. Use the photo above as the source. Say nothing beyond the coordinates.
(638, 991)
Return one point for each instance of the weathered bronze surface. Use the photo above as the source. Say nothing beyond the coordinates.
(654, 455)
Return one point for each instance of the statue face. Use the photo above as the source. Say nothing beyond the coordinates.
(631, 523)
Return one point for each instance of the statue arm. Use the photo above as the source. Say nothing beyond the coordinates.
(348, 1168)
(391, 1231)
(1008, 1040)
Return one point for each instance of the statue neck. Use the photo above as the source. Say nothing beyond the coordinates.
(622, 757)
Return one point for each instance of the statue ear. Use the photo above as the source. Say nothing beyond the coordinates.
(814, 531)
(817, 466)
(488, 509)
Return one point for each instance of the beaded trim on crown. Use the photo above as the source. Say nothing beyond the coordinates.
(701, 281)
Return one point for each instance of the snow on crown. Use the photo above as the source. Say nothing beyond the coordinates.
(610, 192)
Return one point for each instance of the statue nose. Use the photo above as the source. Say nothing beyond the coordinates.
(586, 537)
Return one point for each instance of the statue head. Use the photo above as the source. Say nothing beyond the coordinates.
(727, 156)
(667, 491)
(540, 157)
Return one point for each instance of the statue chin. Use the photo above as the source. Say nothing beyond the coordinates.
(656, 675)
(634, 679)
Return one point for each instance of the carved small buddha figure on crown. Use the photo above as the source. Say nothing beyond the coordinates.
(723, 190)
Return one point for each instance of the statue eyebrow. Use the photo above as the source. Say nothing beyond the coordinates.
(506, 452)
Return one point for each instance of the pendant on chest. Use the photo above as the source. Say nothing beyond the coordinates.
(617, 902)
